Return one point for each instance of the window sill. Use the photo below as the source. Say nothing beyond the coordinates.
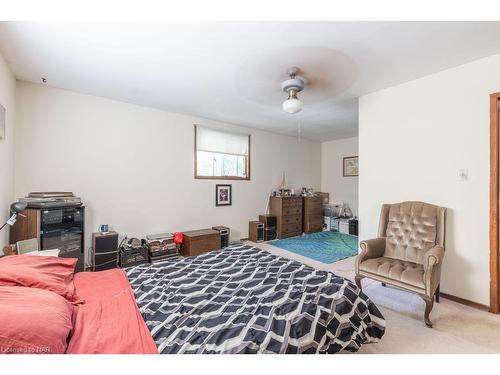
(221, 178)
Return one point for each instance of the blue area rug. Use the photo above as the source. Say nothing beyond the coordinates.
(325, 247)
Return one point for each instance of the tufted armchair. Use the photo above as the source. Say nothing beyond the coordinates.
(408, 252)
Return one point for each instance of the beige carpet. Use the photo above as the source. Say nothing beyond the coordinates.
(457, 328)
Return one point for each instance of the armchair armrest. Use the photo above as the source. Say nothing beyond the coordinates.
(433, 257)
(374, 248)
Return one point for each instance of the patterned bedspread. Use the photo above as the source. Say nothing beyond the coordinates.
(245, 300)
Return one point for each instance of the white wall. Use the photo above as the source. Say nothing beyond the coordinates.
(133, 166)
(341, 189)
(7, 98)
(413, 140)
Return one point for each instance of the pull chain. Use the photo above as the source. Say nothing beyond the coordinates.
(299, 130)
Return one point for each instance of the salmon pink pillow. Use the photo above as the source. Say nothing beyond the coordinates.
(33, 321)
(42, 272)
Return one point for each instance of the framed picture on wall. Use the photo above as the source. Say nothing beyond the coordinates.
(2, 122)
(223, 195)
(350, 166)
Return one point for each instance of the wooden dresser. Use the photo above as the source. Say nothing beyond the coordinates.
(313, 214)
(200, 241)
(288, 212)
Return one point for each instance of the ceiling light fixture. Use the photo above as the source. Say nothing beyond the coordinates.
(293, 86)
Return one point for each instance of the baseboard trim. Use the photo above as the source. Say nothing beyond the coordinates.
(466, 302)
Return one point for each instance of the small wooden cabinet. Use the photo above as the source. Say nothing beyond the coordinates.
(27, 226)
(288, 212)
(256, 231)
(313, 214)
(200, 241)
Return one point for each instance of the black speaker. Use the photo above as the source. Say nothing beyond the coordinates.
(269, 226)
(353, 227)
(105, 250)
(224, 235)
(268, 220)
(269, 234)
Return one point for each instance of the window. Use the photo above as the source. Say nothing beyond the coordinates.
(221, 155)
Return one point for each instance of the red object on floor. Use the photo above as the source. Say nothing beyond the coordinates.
(108, 321)
(178, 238)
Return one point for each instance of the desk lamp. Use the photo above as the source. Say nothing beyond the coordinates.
(15, 209)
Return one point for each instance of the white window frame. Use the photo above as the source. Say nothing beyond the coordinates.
(247, 160)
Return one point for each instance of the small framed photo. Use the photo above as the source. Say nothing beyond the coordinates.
(223, 195)
(351, 166)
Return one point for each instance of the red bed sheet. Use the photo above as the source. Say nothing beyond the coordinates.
(108, 321)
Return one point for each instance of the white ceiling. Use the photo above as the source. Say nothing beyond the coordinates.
(231, 72)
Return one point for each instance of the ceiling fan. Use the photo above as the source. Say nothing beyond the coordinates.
(292, 86)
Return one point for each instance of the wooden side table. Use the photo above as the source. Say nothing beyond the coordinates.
(200, 241)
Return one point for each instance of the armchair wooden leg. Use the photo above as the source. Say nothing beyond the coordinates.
(437, 293)
(429, 303)
(357, 280)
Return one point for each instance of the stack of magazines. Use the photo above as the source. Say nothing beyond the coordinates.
(162, 247)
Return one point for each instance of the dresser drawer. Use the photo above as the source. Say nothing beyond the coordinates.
(315, 227)
(292, 202)
(291, 234)
(292, 219)
(291, 228)
(292, 210)
(313, 218)
(316, 208)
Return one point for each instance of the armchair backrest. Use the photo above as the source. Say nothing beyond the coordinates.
(411, 228)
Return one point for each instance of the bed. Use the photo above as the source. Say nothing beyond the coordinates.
(237, 300)
(245, 300)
